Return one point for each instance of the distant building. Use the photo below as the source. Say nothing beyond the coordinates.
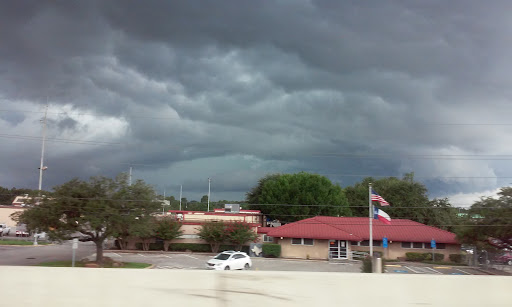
(326, 237)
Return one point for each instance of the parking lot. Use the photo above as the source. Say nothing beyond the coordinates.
(196, 261)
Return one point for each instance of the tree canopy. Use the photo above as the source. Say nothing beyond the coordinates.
(99, 208)
(489, 222)
(408, 199)
(292, 197)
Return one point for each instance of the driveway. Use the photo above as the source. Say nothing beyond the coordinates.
(32, 255)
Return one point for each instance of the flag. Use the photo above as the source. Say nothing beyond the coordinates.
(377, 197)
(381, 216)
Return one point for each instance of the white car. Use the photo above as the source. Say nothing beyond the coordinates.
(230, 260)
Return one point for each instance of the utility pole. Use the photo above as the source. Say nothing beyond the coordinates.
(209, 180)
(130, 177)
(181, 190)
(41, 166)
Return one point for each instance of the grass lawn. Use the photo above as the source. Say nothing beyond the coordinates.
(67, 263)
(20, 242)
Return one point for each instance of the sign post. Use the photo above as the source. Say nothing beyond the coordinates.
(433, 246)
(74, 247)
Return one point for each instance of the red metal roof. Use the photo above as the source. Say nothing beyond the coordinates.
(265, 229)
(357, 229)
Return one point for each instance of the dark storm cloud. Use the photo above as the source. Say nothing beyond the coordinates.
(178, 83)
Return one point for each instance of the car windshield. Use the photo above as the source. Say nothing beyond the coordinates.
(222, 256)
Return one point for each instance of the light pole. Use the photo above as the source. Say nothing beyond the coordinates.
(41, 167)
(209, 180)
(181, 190)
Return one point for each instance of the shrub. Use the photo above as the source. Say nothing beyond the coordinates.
(413, 256)
(437, 257)
(457, 258)
(205, 248)
(271, 250)
(367, 266)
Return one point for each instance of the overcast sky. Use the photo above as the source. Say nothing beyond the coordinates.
(232, 90)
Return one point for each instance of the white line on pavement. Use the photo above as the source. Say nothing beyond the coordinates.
(141, 255)
(463, 271)
(191, 256)
(413, 270)
(436, 271)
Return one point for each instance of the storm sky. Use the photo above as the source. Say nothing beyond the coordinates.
(183, 91)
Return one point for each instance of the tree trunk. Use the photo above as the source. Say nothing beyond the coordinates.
(215, 247)
(166, 245)
(99, 252)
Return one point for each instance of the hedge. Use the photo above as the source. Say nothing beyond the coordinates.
(193, 247)
(271, 250)
(413, 256)
(457, 258)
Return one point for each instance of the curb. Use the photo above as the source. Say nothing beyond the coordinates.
(151, 266)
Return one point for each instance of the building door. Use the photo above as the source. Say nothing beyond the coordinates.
(337, 249)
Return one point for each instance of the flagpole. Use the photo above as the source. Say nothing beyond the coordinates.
(370, 206)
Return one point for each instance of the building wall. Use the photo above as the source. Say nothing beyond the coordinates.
(5, 213)
(319, 249)
(395, 250)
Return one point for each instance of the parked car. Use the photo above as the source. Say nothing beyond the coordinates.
(505, 258)
(230, 260)
(4, 230)
(22, 233)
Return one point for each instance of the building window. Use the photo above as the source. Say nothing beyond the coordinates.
(302, 241)
(307, 241)
(267, 238)
(296, 241)
(366, 243)
(406, 244)
(417, 245)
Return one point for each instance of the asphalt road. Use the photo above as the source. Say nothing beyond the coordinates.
(32, 255)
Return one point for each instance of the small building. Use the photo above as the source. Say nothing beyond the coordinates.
(326, 237)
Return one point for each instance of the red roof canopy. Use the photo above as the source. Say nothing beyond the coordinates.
(357, 229)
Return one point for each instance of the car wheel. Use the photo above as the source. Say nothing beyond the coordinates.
(247, 266)
(227, 268)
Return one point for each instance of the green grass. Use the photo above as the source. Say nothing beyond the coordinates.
(20, 242)
(67, 263)
(61, 264)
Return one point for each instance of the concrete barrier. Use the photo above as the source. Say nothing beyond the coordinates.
(56, 287)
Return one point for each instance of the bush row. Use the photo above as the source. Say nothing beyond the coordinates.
(412, 256)
(193, 247)
(271, 250)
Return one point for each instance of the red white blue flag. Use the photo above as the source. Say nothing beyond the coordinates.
(381, 216)
(377, 197)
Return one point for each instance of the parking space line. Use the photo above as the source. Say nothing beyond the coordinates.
(435, 271)
(414, 271)
(141, 255)
(191, 256)
(463, 271)
(394, 265)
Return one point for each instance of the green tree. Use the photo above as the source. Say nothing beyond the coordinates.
(214, 233)
(98, 208)
(407, 197)
(240, 233)
(204, 199)
(488, 222)
(293, 197)
(168, 229)
(144, 229)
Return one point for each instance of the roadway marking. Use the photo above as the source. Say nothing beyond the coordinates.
(463, 271)
(141, 255)
(437, 272)
(401, 271)
(114, 254)
(414, 271)
(443, 267)
(191, 256)
(394, 265)
(167, 256)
